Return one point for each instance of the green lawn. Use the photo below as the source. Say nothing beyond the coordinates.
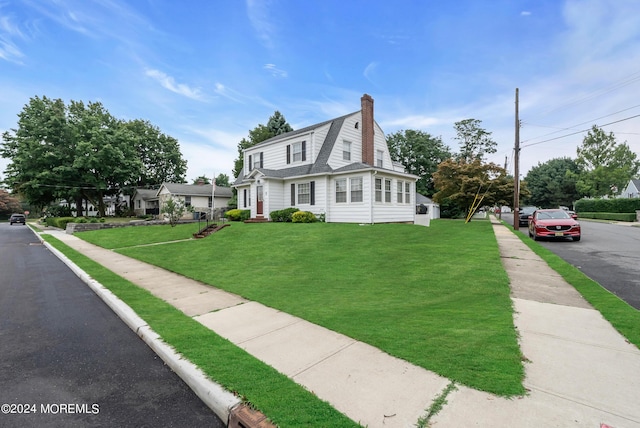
(437, 297)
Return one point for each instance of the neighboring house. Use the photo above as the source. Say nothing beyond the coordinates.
(113, 205)
(340, 168)
(145, 202)
(426, 206)
(197, 197)
(632, 190)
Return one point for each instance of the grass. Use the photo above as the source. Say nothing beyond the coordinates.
(622, 316)
(136, 235)
(437, 297)
(286, 403)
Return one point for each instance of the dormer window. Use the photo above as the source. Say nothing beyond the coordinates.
(297, 152)
(346, 150)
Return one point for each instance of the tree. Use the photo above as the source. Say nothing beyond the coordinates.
(159, 153)
(420, 153)
(8, 203)
(275, 126)
(81, 152)
(105, 161)
(606, 166)
(475, 142)
(553, 183)
(37, 150)
(222, 180)
(174, 209)
(461, 184)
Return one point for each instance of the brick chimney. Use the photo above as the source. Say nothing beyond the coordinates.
(368, 152)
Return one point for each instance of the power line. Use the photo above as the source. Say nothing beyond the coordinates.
(579, 124)
(579, 132)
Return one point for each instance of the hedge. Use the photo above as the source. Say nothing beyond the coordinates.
(303, 217)
(618, 205)
(284, 215)
(610, 216)
(238, 215)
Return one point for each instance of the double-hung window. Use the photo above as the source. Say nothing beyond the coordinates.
(387, 190)
(379, 158)
(341, 190)
(346, 150)
(187, 201)
(407, 193)
(399, 190)
(378, 184)
(356, 189)
(297, 152)
(304, 193)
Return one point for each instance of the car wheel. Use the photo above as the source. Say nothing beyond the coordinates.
(535, 237)
(576, 238)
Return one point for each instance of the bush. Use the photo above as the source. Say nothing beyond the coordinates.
(238, 215)
(59, 222)
(609, 216)
(284, 215)
(303, 217)
(619, 205)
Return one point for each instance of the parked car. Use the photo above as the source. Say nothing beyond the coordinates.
(17, 218)
(555, 223)
(525, 212)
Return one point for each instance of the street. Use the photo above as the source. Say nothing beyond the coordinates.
(608, 253)
(68, 360)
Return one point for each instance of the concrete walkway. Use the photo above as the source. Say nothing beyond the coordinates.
(580, 371)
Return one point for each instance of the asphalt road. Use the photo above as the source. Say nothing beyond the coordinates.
(607, 253)
(67, 360)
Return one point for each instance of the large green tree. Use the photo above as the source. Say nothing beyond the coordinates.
(81, 152)
(475, 142)
(37, 149)
(553, 183)
(159, 153)
(276, 125)
(420, 153)
(606, 166)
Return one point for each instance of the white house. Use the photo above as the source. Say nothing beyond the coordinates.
(196, 196)
(340, 168)
(632, 190)
(145, 202)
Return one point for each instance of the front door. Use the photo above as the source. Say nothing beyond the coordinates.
(259, 201)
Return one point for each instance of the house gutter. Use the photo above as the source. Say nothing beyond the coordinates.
(372, 193)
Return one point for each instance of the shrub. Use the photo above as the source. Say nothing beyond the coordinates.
(609, 216)
(284, 215)
(619, 205)
(59, 222)
(238, 215)
(303, 217)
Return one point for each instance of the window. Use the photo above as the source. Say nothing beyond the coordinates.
(346, 150)
(341, 190)
(210, 201)
(297, 152)
(356, 189)
(407, 193)
(387, 190)
(304, 193)
(379, 158)
(187, 201)
(378, 189)
(399, 191)
(258, 161)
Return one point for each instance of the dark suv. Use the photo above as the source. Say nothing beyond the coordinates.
(17, 218)
(525, 212)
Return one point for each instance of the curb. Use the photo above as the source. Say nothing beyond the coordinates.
(222, 402)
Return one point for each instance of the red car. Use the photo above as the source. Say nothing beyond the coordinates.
(554, 224)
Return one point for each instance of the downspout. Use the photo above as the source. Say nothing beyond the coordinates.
(372, 195)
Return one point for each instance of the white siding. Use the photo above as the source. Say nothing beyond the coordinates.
(351, 134)
(351, 212)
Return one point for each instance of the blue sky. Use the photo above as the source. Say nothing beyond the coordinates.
(206, 72)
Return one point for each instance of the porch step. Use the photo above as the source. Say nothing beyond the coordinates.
(212, 228)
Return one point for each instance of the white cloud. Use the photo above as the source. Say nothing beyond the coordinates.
(525, 13)
(275, 71)
(169, 83)
(259, 16)
(9, 51)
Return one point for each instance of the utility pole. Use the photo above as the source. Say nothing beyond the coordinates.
(516, 172)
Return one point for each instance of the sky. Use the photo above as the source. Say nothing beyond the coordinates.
(207, 71)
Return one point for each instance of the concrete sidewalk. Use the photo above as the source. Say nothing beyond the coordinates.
(580, 371)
